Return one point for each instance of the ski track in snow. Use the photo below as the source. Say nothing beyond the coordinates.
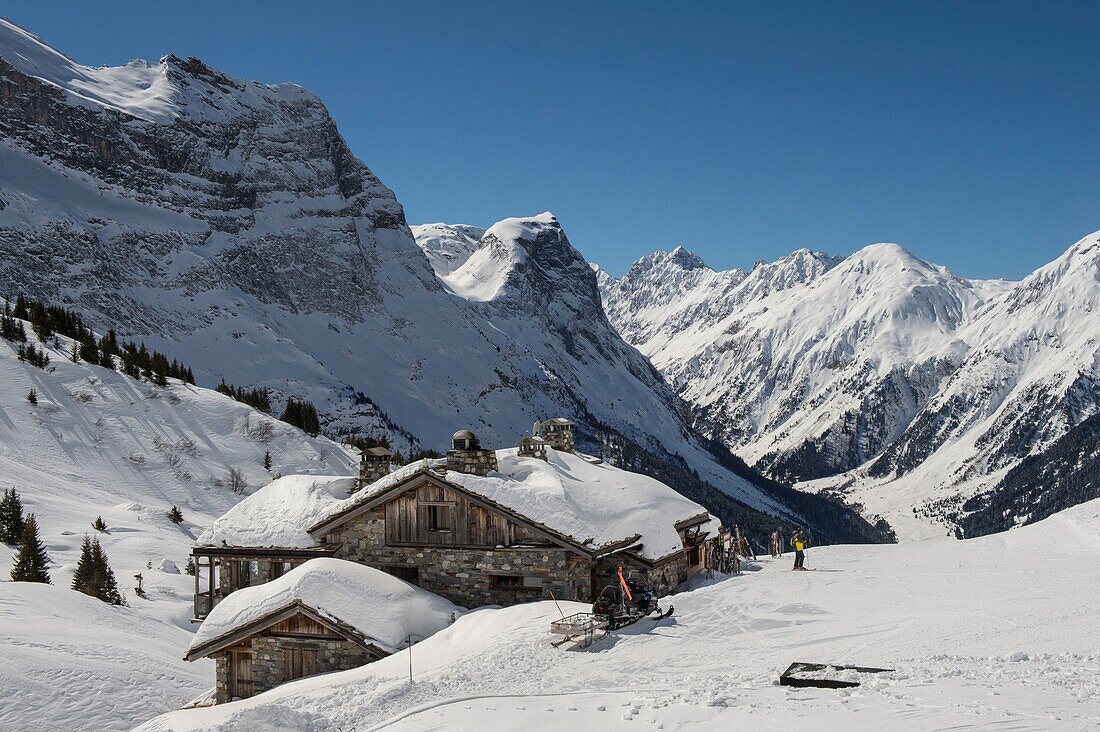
(991, 633)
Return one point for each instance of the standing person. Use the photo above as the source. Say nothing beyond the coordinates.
(798, 541)
(777, 549)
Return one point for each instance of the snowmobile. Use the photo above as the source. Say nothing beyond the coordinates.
(626, 602)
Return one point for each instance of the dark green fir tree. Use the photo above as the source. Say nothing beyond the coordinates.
(31, 563)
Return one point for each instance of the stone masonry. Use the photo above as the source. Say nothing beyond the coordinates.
(465, 576)
(269, 660)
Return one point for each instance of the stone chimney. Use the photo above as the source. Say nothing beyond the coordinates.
(532, 446)
(466, 455)
(558, 433)
(374, 464)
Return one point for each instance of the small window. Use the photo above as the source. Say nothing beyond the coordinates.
(409, 574)
(439, 517)
(507, 581)
(247, 573)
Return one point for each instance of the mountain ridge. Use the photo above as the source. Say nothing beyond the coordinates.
(872, 368)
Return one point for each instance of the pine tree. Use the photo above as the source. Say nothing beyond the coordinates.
(88, 350)
(175, 515)
(99, 524)
(189, 569)
(104, 578)
(83, 575)
(303, 415)
(11, 518)
(94, 575)
(267, 460)
(74, 353)
(21, 310)
(32, 562)
(10, 328)
(32, 397)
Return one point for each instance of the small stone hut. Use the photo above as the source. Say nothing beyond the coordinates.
(558, 433)
(326, 615)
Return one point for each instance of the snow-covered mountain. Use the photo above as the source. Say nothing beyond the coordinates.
(225, 222)
(881, 376)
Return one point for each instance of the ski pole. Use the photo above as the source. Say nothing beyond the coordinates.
(556, 604)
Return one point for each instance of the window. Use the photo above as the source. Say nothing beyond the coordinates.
(507, 582)
(438, 516)
(409, 574)
(516, 582)
(247, 573)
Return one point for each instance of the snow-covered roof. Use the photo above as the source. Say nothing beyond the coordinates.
(381, 607)
(593, 504)
(280, 513)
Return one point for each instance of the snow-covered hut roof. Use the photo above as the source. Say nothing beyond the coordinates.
(595, 505)
(379, 607)
(280, 513)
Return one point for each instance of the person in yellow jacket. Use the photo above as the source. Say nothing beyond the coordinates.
(798, 541)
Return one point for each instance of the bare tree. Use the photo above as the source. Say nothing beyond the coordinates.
(237, 483)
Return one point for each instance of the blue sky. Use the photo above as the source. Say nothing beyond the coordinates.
(966, 132)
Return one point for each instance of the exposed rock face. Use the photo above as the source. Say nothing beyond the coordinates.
(903, 380)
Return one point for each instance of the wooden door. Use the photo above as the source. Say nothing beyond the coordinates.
(240, 675)
(299, 662)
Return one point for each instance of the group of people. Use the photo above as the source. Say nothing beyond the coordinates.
(724, 553)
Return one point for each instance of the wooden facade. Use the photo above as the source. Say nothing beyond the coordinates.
(435, 515)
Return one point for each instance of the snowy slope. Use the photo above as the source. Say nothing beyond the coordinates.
(1012, 652)
(102, 444)
(250, 242)
(447, 246)
(882, 377)
(71, 662)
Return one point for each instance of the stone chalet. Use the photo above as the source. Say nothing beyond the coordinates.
(326, 615)
(480, 527)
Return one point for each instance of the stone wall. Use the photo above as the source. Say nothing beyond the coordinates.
(269, 660)
(662, 580)
(465, 576)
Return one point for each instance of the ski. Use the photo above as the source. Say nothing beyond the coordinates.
(665, 614)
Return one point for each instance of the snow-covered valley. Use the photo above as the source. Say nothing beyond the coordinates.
(1008, 652)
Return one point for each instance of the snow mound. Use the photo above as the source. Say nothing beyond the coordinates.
(383, 608)
(139, 88)
(279, 513)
